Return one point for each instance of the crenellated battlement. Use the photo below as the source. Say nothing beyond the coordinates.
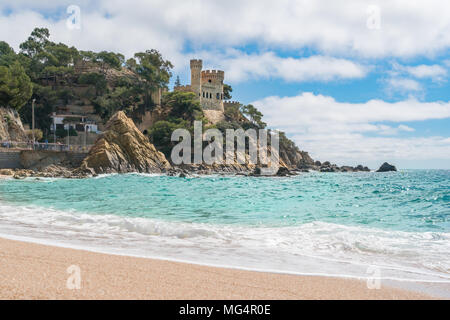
(213, 74)
(231, 103)
(186, 88)
(207, 86)
(196, 64)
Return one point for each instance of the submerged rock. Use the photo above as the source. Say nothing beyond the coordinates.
(386, 167)
(123, 148)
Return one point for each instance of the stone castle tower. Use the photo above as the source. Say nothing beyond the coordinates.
(207, 85)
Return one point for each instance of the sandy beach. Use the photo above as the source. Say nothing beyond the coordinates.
(34, 271)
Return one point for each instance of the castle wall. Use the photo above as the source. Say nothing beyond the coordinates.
(227, 104)
(183, 88)
(196, 70)
(156, 96)
(212, 90)
(208, 87)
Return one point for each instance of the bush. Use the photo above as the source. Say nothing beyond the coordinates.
(62, 133)
(160, 134)
(183, 105)
(38, 134)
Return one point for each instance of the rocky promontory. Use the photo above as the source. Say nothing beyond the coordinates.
(122, 148)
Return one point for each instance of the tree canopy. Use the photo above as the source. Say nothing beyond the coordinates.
(15, 86)
(50, 72)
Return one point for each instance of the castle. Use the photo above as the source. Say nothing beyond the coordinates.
(208, 87)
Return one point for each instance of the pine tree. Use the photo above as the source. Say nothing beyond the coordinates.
(177, 82)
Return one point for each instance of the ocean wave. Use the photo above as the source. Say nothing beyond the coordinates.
(302, 249)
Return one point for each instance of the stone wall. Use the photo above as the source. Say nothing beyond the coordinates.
(31, 159)
(80, 139)
(10, 160)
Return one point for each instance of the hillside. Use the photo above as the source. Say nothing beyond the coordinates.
(91, 86)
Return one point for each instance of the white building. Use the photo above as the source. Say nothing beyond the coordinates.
(78, 122)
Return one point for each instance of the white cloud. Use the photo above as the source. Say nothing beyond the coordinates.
(402, 85)
(408, 28)
(402, 127)
(434, 72)
(357, 132)
(425, 71)
(240, 66)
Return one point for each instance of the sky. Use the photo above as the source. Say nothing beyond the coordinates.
(352, 82)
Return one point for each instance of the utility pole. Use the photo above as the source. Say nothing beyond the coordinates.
(32, 119)
(85, 135)
(68, 136)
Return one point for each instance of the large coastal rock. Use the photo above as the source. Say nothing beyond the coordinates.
(123, 148)
(11, 128)
(386, 167)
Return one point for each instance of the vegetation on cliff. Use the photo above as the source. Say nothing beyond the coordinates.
(57, 75)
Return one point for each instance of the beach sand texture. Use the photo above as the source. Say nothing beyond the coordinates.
(34, 271)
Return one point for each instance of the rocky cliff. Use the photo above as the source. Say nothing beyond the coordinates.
(11, 128)
(123, 148)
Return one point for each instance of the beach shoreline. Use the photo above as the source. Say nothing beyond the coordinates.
(36, 271)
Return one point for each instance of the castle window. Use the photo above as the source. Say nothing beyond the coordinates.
(210, 95)
(203, 94)
(217, 96)
(209, 80)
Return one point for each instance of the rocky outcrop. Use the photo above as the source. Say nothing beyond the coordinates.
(123, 148)
(329, 167)
(386, 167)
(11, 128)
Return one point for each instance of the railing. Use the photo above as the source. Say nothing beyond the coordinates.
(43, 146)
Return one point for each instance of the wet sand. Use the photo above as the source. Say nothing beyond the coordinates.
(34, 271)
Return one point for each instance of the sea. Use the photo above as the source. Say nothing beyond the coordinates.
(389, 228)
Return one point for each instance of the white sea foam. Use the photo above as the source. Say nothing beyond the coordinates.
(314, 248)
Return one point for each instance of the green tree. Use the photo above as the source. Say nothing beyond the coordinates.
(153, 70)
(160, 134)
(36, 42)
(254, 115)
(227, 90)
(111, 59)
(15, 86)
(46, 100)
(177, 82)
(183, 105)
(7, 54)
(95, 79)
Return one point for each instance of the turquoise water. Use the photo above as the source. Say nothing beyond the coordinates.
(315, 223)
(406, 201)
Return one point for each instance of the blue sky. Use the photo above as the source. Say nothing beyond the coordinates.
(350, 81)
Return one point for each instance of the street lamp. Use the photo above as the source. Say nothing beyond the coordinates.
(32, 119)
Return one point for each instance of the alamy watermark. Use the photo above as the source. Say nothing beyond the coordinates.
(374, 279)
(374, 17)
(73, 22)
(241, 147)
(74, 280)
